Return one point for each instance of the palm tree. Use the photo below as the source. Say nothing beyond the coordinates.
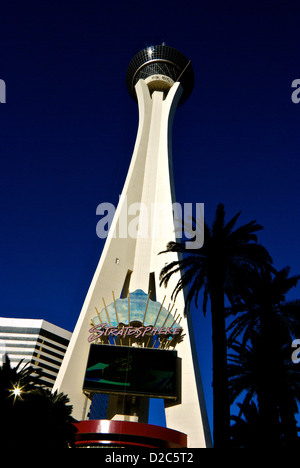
(217, 268)
(262, 362)
(16, 380)
(262, 304)
(51, 413)
(273, 382)
(246, 432)
(30, 413)
(249, 373)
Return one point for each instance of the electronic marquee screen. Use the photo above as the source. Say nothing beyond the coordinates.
(131, 370)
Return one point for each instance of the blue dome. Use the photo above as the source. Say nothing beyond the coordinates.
(138, 312)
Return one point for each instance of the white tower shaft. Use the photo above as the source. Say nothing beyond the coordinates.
(130, 261)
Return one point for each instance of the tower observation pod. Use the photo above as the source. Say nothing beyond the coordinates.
(132, 342)
(160, 67)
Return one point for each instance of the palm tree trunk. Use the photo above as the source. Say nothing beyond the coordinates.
(289, 423)
(221, 407)
(266, 393)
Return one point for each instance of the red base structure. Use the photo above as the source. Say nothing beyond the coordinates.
(106, 433)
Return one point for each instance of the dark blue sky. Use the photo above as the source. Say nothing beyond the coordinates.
(68, 129)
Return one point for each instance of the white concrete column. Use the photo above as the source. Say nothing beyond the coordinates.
(148, 186)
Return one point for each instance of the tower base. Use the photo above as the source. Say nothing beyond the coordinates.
(120, 434)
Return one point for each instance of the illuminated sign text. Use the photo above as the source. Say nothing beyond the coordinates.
(103, 330)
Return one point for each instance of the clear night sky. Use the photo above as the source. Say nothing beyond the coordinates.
(68, 129)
